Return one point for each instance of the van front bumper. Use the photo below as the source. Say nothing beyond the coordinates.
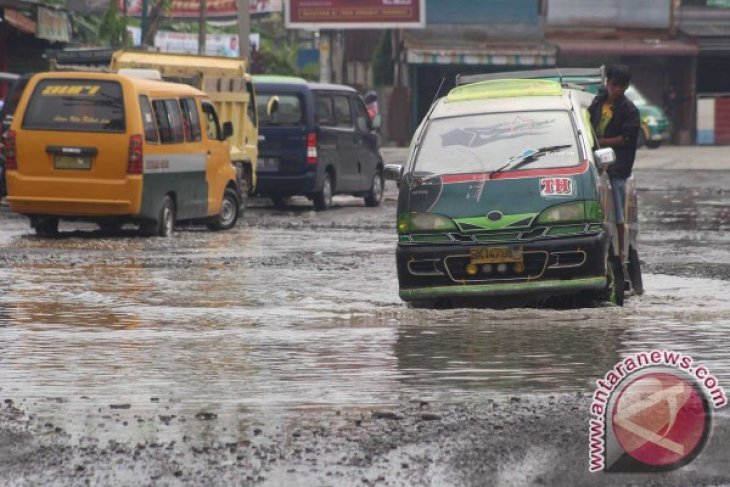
(554, 266)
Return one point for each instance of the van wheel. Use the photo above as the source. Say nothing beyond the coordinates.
(165, 222)
(375, 196)
(634, 268)
(280, 201)
(230, 211)
(243, 197)
(110, 226)
(653, 144)
(45, 226)
(641, 141)
(323, 198)
(615, 287)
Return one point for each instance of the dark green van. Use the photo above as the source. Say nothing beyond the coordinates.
(504, 193)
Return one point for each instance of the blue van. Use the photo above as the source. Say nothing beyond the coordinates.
(315, 140)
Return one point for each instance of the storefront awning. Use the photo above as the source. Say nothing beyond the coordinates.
(435, 47)
(20, 21)
(625, 47)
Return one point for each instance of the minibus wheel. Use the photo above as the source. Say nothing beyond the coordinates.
(45, 226)
(323, 198)
(375, 196)
(634, 268)
(616, 285)
(165, 222)
(230, 211)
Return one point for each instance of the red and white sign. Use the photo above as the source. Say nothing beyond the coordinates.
(216, 8)
(556, 187)
(355, 14)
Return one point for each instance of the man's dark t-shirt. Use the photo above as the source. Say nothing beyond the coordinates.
(625, 122)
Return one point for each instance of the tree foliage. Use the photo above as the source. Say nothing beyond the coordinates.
(113, 27)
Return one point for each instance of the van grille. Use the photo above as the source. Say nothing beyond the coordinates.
(534, 268)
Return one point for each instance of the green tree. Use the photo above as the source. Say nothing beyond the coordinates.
(113, 27)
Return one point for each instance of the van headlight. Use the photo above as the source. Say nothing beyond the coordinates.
(416, 222)
(575, 211)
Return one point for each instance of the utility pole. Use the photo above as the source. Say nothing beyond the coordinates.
(325, 55)
(202, 26)
(244, 31)
(144, 24)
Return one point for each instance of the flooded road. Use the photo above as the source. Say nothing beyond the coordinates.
(294, 318)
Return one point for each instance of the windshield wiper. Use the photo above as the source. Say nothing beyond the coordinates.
(527, 156)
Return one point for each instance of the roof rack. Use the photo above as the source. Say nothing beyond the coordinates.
(592, 75)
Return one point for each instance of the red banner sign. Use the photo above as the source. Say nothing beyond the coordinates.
(355, 14)
(216, 8)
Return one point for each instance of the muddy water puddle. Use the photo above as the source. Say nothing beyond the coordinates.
(297, 311)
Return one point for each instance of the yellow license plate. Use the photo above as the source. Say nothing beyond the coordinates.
(495, 255)
(72, 162)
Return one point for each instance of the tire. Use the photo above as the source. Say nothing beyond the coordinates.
(634, 269)
(230, 211)
(641, 141)
(243, 197)
(3, 186)
(375, 196)
(45, 226)
(323, 198)
(653, 144)
(280, 201)
(615, 288)
(110, 226)
(164, 225)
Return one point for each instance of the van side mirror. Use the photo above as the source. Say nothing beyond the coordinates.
(272, 106)
(227, 130)
(604, 157)
(393, 172)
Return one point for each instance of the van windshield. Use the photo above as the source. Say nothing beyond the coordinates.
(76, 105)
(289, 113)
(487, 142)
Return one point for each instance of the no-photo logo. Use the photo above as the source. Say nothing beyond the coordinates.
(652, 412)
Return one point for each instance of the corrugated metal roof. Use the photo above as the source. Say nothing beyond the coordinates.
(457, 46)
(626, 47)
(705, 21)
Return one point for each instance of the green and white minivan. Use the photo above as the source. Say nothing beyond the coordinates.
(504, 194)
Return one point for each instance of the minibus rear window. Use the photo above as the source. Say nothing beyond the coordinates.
(76, 105)
(289, 113)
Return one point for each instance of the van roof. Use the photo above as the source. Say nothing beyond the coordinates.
(504, 88)
(566, 100)
(278, 79)
(331, 87)
(261, 79)
(141, 85)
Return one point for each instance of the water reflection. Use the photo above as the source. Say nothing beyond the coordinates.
(263, 321)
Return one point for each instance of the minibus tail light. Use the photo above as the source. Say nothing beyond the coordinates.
(136, 159)
(311, 148)
(11, 157)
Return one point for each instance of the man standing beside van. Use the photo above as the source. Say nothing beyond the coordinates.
(615, 119)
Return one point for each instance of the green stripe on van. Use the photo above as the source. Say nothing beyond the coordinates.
(189, 190)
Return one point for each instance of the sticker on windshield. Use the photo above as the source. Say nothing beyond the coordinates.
(556, 187)
(480, 136)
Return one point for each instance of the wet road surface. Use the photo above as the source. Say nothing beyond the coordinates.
(291, 322)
